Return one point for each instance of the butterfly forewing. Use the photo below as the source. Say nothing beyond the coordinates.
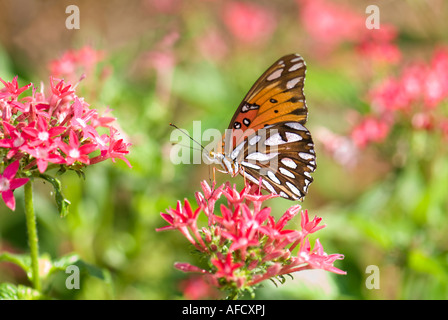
(277, 96)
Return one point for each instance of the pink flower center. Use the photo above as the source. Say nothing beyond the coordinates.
(74, 153)
(43, 136)
(4, 184)
(18, 142)
(81, 122)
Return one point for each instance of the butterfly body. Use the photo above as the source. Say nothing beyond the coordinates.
(266, 137)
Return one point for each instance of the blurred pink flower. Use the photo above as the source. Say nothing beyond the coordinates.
(330, 24)
(82, 61)
(370, 129)
(378, 45)
(389, 96)
(436, 82)
(418, 84)
(248, 22)
(423, 121)
(380, 51)
(162, 6)
(340, 147)
(212, 45)
(198, 288)
(8, 183)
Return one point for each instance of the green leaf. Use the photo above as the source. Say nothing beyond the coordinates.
(95, 271)
(22, 260)
(10, 291)
(425, 263)
(62, 263)
(61, 201)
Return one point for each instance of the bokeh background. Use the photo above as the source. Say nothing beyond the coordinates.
(377, 112)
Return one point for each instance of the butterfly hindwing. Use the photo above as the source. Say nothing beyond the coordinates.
(267, 140)
(282, 155)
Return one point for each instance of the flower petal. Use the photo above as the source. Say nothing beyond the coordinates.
(8, 197)
(17, 183)
(11, 170)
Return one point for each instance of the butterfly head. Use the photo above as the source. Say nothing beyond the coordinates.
(228, 165)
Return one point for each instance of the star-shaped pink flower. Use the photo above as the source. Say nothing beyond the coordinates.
(8, 184)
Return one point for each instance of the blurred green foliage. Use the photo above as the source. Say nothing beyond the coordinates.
(394, 217)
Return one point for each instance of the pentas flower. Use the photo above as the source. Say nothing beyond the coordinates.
(243, 243)
(416, 96)
(370, 129)
(331, 25)
(73, 61)
(39, 132)
(9, 182)
(248, 22)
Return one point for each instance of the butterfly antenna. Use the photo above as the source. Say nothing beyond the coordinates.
(182, 145)
(185, 133)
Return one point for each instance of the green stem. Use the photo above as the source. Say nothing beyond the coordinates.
(33, 241)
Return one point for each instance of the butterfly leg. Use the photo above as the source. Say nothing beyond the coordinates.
(243, 173)
(214, 175)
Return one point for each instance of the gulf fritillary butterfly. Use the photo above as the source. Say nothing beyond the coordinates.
(268, 133)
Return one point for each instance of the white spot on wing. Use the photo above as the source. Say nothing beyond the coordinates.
(306, 156)
(258, 156)
(299, 58)
(250, 165)
(275, 75)
(237, 150)
(283, 194)
(274, 140)
(293, 188)
(292, 83)
(289, 163)
(295, 125)
(286, 173)
(269, 186)
(273, 177)
(251, 178)
(293, 137)
(296, 66)
(254, 140)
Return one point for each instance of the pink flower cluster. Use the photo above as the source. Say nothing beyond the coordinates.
(330, 25)
(244, 243)
(416, 94)
(83, 60)
(248, 22)
(55, 129)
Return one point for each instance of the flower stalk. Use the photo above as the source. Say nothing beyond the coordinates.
(33, 240)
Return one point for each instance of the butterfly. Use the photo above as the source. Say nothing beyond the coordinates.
(266, 140)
